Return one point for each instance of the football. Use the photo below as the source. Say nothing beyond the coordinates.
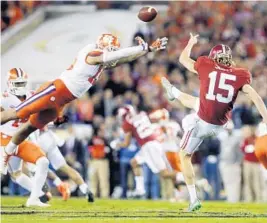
(147, 14)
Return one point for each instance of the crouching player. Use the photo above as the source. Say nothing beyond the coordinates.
(27, 151)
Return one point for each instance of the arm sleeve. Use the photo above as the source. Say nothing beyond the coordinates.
(123, 53)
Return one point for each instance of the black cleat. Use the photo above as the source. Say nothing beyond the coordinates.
(46, 197)
(90, 197)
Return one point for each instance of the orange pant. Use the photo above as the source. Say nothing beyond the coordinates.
(261, 150)
(45, 105)
(27, 151)
(174, 161)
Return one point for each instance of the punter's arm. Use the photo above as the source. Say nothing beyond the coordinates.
(257, 100)
(184, 58)
(126, 142)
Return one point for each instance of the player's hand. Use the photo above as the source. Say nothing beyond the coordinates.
(61, 120)
(141, 42)
(193, 39)
(159, 44)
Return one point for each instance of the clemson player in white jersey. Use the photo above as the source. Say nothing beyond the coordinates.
(49, 100)
(170, 140)
(46, 140)
(27, 151)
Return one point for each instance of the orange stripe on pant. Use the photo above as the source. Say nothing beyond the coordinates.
(27, 151)
(261, 150)
(46, 104)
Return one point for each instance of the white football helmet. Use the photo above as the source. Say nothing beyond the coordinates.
(17, 80)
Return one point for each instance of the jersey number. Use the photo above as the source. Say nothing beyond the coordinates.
(143, 127)
(222, 85)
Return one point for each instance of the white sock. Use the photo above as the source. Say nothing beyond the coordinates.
(192, 193)
(83, 188)
(179, 177)
(39, 177)
(11, 147)
(139, 181)
(176, 93)
(57, 182)
(24, 181)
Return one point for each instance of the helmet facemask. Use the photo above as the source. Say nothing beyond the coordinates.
(224, 59)
(18, 86)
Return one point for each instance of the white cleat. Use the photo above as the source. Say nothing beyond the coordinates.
(36, 203)
(168, 88)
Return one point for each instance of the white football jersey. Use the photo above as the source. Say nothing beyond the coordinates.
(8, 101)
(81, 76)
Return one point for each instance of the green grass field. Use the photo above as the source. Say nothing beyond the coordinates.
(129, 211)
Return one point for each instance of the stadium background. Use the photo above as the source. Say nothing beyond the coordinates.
(43, 37)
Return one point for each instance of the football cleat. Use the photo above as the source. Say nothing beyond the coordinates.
(36, 202)
(90, 197)
(46, 197)
(168, 88)
(64, 190)
(195, 206)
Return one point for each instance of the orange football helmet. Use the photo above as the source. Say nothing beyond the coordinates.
(108, 42)
(17, 80)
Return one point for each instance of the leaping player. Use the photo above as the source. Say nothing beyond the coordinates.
(48, 102)
(45, 139)
(220, 83)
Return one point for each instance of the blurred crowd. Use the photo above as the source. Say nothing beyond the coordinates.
(14, 11)
(227, 161)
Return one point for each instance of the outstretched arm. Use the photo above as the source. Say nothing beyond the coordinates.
(257, 100)
(184, 58)
(127, 54)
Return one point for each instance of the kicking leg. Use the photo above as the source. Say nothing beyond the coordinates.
(173, 93)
